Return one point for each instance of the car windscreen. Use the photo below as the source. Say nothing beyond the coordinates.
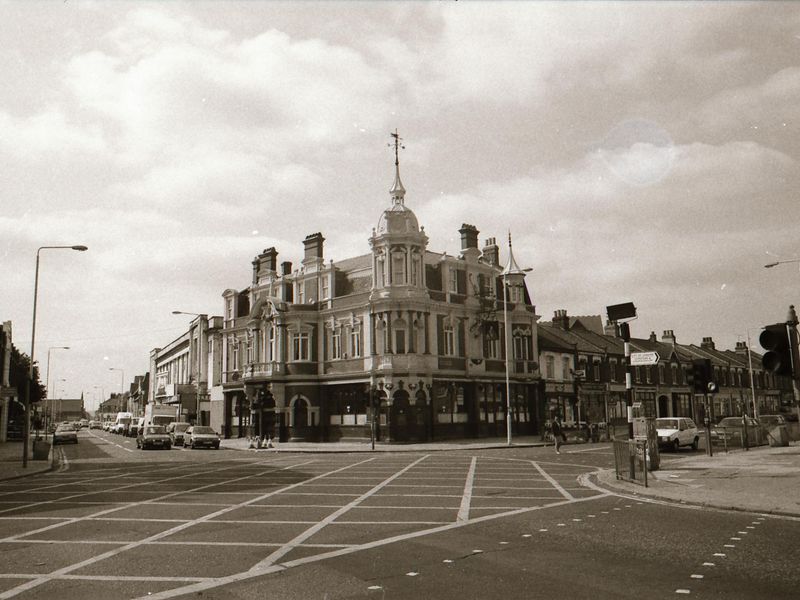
(182, 427)
(154, 430)
(65, 428)
(731, 422)
(197, 430)
(666, 423)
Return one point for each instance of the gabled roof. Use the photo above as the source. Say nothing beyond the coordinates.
(570, 340)
(592, 323)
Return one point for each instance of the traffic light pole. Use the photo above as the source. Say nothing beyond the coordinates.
(625, 331)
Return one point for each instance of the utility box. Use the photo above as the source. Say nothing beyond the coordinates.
(644, 429)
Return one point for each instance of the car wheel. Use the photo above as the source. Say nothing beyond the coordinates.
(694, 444)
(676, 445)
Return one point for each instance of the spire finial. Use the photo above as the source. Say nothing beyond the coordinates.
(397, 146)
(398, 191)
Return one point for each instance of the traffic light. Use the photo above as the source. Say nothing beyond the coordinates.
(778, 358)
(700, 375)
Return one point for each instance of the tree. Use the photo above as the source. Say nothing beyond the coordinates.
(20, 369)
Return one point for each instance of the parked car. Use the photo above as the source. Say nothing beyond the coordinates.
(64, 433)
(674, 432)
(95, 425)
(198, 436)
(176, 430)
(771, 421)
(730, 431)
(153, 436)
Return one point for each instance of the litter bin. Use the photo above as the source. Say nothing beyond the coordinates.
(778, 436)
(41, 450)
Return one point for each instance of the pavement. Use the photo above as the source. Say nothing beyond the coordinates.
(763, 479)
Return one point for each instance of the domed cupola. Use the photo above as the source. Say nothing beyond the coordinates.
(398, 243)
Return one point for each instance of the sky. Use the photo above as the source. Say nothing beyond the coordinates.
(637, 152)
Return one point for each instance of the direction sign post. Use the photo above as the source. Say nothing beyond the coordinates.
(644, 358)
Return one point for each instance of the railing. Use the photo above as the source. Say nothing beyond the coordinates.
(261, 369)
(630, 460)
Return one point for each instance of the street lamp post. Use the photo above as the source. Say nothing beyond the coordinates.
(47, 383)
(517, 276)
(197, 358)
(26, 427)
(60, 393)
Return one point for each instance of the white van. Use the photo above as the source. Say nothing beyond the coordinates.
(122, 423)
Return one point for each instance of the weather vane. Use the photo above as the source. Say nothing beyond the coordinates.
(397, 146)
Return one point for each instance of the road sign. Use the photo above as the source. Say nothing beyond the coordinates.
(644, 358)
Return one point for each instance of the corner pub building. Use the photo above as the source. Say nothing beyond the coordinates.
(413, 336)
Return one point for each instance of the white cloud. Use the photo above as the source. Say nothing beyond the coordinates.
(46, 135)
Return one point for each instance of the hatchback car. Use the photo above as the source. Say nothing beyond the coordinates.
(674, 432)
(771, 421)
(731, 432)
(176, 429)
(153, 436)
(65, 433)
(95, 425)
(199, 436)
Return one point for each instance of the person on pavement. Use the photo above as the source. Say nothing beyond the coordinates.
(557, 433)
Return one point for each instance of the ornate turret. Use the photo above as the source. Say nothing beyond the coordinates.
(398, 243)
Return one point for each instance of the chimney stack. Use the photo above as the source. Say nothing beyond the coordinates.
(653, 337)
(611, 329)
(469, 236)
(491, 252)
(668, 337)
(708, 344)
(561, 320)
(741, 348)
(313, 248)
(265, 264)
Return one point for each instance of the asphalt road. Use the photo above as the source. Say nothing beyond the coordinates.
(117, 522)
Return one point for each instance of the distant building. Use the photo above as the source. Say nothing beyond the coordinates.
(56, 410)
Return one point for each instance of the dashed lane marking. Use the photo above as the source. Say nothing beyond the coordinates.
(221, 581)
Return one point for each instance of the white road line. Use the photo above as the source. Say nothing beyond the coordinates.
(128, 504)
(108, 554)
(466, 499)
(220, 581)
(272, 558)
(552, 481)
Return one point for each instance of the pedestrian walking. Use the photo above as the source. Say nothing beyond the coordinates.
(558, 434)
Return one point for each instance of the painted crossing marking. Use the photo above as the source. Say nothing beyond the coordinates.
(108, 554)
(275, 556)
(466, 499)
(552, 481)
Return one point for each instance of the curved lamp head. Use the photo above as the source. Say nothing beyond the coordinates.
(80, 248)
